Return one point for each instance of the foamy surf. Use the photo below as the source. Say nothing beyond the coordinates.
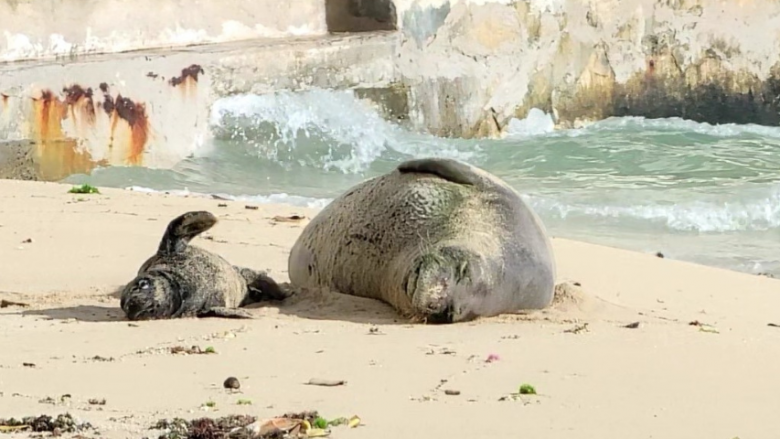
(348, 134)
(281, 198)
(759, 214)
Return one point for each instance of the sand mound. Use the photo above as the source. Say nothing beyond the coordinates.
(572, 303)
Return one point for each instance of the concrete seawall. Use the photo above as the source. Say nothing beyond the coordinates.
(151, 108)
(84, 88)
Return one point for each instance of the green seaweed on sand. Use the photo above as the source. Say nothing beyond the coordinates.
(84, 189)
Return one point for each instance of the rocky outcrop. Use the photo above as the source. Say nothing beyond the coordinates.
(472, 66)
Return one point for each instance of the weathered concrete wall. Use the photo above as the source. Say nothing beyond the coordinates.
(472, 65)
(152, 109)
(450, 67)
(46, 28)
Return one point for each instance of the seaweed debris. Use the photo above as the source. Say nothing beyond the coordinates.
(63, 423)
(287, 426)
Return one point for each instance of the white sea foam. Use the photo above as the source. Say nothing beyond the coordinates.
(280, 198)
(353, 131)
(756, 214)
(676, 124)
(536, 123)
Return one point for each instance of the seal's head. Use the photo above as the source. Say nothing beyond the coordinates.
(150, 296)
(442, 284)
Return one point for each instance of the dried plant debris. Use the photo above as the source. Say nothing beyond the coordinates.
(325, 382)
(288, 426)
(63, 423)
(578, 329)
(288, 219)
(179, 428)
(192, 350)
(8, 303)
(703, 327)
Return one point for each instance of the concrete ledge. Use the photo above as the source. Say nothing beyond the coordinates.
(66, 28)
(152, 108)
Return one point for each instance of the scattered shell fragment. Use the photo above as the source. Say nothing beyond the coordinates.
(354, 422)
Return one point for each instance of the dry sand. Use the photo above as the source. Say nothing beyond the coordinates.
(665, 379)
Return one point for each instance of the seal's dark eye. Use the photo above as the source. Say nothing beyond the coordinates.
(144, 284)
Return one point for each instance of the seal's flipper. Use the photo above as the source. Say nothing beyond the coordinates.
(183, 228)
(261, 287)
(226, 313)
(448, 169)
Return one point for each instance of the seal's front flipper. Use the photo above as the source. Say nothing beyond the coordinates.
(261, 286)
(227, 313)
(183, 228)
(447, 169)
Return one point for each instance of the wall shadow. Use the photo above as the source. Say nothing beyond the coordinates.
(360, 15)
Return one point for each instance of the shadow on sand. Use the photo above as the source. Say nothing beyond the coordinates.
(84, 313)
(327, 305)
(570, 304)
(310, 305)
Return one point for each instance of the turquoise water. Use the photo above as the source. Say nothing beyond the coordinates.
(695, 192)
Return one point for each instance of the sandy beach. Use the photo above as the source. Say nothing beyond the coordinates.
(64, 256)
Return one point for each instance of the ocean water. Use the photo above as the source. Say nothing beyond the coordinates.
(693, 191)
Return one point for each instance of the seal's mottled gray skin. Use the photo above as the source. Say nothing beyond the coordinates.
(437, 239)
(181, 280)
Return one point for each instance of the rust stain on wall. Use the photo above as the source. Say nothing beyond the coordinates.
(134, 127)
(58, 155)
(187, 81)
(188, 74)
(80, 104)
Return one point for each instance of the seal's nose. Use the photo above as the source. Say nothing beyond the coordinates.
(133, 308)
(444, 315)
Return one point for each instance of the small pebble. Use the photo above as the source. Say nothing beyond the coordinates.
(452, 392)
(659, 254)
(232, 383)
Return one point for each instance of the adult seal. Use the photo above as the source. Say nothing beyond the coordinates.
(181, 280)
(439, 240)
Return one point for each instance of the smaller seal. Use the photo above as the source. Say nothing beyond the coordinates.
(181, 280)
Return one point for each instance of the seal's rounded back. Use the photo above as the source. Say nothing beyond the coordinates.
(443, 226)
